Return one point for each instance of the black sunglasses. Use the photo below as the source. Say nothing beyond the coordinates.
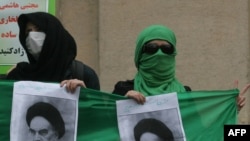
(151, 48)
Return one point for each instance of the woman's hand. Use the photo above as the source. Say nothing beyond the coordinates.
(137, 96)
(241, 99)
(72, 84)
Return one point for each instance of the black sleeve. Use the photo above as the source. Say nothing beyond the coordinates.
(187, 88)
(91, 79)
(122, 87)
(19, 72)
(3, 76)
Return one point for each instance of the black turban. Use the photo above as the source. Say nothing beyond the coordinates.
(50, 113)
(153, 126)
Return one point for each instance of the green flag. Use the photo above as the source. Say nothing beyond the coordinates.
(204, 113)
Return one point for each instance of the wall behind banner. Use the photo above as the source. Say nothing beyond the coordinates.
(212, 39)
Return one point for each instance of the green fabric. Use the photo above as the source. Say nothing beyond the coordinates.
(156, 72)
(203, 114)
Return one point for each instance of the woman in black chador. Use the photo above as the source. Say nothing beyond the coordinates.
(51, 52)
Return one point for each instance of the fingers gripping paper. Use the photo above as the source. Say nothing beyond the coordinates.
(157, 119)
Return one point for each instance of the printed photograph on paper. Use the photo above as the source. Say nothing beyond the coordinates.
(43, 111)
(156, 120)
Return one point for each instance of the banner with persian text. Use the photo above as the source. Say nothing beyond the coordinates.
(11, 51)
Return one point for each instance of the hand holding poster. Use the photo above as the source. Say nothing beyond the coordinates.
(43, 111)
(158, 119)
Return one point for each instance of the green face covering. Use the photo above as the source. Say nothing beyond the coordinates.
(163, 68)
(156, 72)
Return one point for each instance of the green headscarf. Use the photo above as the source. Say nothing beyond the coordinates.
(156, 72)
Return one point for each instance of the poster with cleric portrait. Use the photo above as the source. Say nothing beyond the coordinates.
(158, 119)
(43, 111)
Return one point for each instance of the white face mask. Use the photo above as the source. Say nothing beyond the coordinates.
(34, 43)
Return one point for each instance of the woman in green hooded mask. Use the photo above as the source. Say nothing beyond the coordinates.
(155, 62)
